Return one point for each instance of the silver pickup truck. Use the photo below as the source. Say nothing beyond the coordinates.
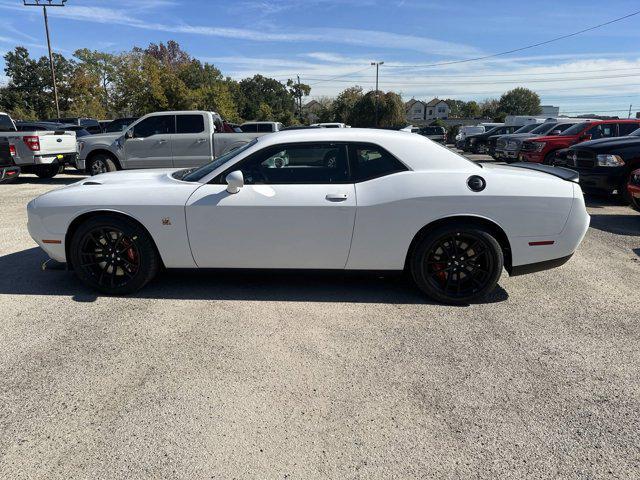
(43, 152)
(180, 139)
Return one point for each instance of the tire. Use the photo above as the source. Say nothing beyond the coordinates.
(94, 249)
(624, 192)
(549, 158)
(100, 163)
(479, 264)
(635, 203)
(47, 171)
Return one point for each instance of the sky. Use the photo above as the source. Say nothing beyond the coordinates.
(331, 43)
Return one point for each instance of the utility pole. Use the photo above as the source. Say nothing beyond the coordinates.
(299, 100)
(377, 64)
(630, 105)
(44, 4)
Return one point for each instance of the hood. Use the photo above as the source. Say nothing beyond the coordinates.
(101, 137)
(145, 176)
(609, 143)
(530, 172)
(509, 136)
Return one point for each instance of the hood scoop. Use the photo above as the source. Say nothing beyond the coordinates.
(92, 182)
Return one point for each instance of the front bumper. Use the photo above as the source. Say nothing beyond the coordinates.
(534, 157)
(601, 178)
(634, 190)
(51, 243)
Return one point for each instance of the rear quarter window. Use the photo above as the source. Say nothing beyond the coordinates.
(371, 161)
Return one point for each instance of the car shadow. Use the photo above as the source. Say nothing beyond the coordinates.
(594, 200)
(618, 224)
(23, 275)
(29, 179)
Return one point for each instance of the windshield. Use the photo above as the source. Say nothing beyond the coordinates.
(635, 133)
(196, 174)
(574, 130)
(527, 128)
(544, 128)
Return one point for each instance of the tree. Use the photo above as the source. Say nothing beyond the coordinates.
(258, 90)
(102, 66)
(344, 103)
(297, 91)
(390, 111)
(489, 108)
(471, 110)
(520, 101)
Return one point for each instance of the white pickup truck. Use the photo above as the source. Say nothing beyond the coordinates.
(43, 152)
(180, 139)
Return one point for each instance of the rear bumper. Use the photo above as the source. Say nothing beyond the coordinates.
(8, 173)
(539, 266)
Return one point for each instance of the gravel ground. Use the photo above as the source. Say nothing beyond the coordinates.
(320, 376)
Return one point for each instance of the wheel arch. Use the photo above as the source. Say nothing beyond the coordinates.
(83, 217)
(103, 151)
(497, 231)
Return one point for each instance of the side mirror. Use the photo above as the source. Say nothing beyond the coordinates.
(235, 181)
(129, 133)
(585, 137)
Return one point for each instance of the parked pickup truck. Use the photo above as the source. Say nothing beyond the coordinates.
(605, 165)
(43, 152)
(544, 149)
(161, 140)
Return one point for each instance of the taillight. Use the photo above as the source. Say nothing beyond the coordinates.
(12, 150)
(32, 141)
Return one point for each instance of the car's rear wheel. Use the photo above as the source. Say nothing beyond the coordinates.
(457, 263)
(101, 163)
(113, 255)
(47, 171)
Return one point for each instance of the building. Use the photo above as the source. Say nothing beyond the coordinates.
(311, 110)
(549, 111)
(417, 111)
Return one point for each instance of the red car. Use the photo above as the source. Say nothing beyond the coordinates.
(634, 189)
(543, 149)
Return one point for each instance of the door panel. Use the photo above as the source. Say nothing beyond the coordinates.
(151, 145)
(191, 142)
(272, 226)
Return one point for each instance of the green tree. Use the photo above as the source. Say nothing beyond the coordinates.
(258, 90)
(345, 102)
(102, 66)
(520, 101)
(471, 109)
(390, 111)
(490, 108)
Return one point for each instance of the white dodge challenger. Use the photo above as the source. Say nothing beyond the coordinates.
(343, 199)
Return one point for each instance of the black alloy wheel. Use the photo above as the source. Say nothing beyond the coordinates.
(113, 255)
(457, 264)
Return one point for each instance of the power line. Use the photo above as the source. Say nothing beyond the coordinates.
(340, 76)
(539, 44)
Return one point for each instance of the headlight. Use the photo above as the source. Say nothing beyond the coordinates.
(610, 161)
(538, 146)
(472, 140)
(635, 178)
(80, 146)
(512, 145)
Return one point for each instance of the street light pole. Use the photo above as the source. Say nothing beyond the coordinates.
(377, 64)
(44, 4)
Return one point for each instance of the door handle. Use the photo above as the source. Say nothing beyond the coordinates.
(162, 141)
(336, 197)
(201, 140)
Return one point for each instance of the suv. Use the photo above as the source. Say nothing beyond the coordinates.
(607, 164)
(480, 143)
(543, 149)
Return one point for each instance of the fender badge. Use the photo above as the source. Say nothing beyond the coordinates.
(166, 221)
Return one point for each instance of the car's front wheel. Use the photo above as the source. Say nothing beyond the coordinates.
(457, 263)
(101, 163)
(113, 255)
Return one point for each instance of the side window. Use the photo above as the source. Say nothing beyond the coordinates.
(158, 125)
(297, 164)
(369, 161)
(265, 127)
(627, 128)
(190, 124)
(251, 128)
(603, 130)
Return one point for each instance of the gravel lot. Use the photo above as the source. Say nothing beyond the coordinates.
(211, 375)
